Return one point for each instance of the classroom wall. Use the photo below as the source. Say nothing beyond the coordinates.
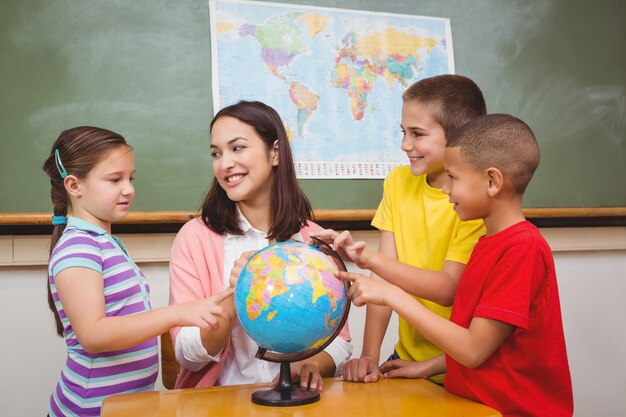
(591, 268)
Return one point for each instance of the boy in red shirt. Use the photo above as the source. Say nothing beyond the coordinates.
(504, 342)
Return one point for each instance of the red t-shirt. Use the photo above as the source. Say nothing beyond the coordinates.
(510, 277)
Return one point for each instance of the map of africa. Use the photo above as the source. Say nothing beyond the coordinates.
(279, 278)
(288, 299)
(335, 76)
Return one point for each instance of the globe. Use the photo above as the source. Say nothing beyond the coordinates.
(289, 301)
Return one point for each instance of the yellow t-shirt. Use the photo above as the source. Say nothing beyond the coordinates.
(427, 232)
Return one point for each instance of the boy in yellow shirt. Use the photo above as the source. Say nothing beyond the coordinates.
(420, 227)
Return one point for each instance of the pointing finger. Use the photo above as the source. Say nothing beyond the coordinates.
(348, 276)
(223, 295)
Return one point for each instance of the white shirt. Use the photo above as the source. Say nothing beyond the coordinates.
(240, 366)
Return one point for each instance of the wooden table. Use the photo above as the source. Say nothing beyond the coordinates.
(388, 397)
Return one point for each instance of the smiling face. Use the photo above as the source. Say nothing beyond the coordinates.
(107, 191)
(242, 163)
(467, 187)
(423, 141)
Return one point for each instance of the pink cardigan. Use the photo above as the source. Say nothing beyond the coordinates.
(196, 271)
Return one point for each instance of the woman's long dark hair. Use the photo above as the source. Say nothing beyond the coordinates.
(290, 208)
(79, 150)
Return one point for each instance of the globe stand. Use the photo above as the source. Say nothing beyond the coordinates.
(285, 394)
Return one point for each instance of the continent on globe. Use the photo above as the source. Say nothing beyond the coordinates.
(288, 298)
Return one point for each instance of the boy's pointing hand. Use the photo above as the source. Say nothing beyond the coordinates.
(368, 290)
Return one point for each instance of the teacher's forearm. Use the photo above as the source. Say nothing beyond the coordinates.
(214, 341)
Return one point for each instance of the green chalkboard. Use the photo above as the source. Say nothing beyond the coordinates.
(143, 68)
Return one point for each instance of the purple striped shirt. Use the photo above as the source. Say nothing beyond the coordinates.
(86, 379)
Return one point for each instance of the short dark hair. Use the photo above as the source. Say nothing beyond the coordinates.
(500, 141)
(289, 205)
(453, 100)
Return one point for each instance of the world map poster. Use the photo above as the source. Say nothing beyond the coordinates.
(335, 76)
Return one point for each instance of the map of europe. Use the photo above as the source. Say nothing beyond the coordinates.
(335, 76)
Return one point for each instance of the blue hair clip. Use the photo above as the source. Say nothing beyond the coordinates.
(60, 167)
(58, 220)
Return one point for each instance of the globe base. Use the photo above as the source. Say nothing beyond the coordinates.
(275, 398)
(285, 394)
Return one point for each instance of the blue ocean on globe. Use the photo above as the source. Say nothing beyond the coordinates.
(287, 298)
